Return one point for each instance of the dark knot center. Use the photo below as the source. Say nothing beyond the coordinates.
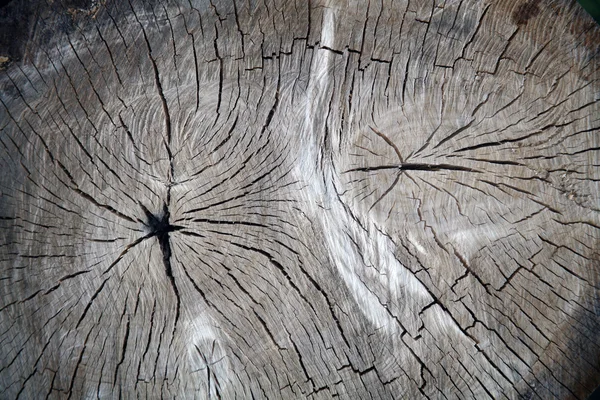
(159, 224)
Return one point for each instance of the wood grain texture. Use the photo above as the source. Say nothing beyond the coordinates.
(300, 199)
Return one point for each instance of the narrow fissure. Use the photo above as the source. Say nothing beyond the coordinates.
(161, 227)
(415, 167)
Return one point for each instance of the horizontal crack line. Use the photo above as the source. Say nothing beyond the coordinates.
(415, 167)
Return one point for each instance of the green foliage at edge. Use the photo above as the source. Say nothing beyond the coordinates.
(592, 7)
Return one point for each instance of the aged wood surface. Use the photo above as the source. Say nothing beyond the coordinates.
(300, 199)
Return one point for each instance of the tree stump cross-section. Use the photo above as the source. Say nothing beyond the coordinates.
(299, 199)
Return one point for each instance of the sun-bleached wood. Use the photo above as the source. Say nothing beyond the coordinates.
(301, 199)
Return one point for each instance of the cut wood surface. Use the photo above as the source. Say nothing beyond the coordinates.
(299, 199)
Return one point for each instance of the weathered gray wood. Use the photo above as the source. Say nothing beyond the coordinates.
(300, 199)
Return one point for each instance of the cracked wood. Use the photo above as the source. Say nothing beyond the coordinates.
(300, 199)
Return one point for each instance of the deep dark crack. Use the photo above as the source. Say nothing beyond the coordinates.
(161, 227)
